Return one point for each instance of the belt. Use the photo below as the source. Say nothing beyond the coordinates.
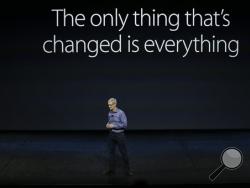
(117, 131)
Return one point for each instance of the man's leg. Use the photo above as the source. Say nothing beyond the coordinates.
(124, 152)
(111, 148)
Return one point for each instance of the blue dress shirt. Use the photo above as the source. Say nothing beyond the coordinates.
(118, 119)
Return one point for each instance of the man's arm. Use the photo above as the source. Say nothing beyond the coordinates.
(108, 125)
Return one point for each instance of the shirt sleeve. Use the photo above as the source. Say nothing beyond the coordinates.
(108, 119)
(123, 121)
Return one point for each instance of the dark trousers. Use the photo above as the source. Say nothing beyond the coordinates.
(117, 139)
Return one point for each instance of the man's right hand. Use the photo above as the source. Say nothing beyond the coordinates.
(109, 126)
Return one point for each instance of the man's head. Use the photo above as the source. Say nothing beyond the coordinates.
(112, 102)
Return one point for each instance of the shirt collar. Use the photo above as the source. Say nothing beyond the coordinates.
(117, 109)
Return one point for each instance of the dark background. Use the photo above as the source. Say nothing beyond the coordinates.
(157, 91)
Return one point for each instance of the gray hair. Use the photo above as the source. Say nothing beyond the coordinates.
(112, 100)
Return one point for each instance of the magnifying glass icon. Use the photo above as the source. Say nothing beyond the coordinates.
(231, 159)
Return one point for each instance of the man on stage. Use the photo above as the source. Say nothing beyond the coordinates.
(117, 123)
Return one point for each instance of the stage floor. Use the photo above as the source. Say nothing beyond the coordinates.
(157, 157)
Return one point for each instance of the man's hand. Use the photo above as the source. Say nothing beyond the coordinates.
(109, 126)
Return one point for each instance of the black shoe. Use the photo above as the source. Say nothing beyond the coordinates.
(109, 172)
